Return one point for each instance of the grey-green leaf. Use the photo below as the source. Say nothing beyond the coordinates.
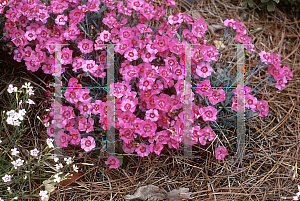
(244, 4)
(250, 3)
(264, 1)
(270, 6)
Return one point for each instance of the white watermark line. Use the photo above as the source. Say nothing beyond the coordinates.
(240, 103)
(58, 104)
(110, 101)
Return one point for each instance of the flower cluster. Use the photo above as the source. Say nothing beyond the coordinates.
(153, 61)
(15, 117)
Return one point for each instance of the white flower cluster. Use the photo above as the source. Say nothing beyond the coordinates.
(29, 88)
(14, 118)
(11, 89)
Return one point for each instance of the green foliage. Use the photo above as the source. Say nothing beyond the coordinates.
(269, 4)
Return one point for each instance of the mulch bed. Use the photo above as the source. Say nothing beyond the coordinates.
(269, 169)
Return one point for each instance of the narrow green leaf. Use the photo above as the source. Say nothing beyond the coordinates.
(270, 6)
(264, 1)
(250, 3)
(244, 4)
(120, 158)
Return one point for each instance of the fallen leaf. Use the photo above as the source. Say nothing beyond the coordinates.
(71, 179)
(179, 194)
(150, 193)
(217, 44)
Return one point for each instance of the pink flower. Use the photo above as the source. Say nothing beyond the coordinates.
(105, 36)
(221, 152)
(206, 134)
(84, 96)
(50, 130)
(230, 23)
(161, 43)
(156, 148)
(85, 46)
(281, 83)
(287, 72)
(174, 19)
(209, 113)
(204, 88)
(250, 102)
(210, 53)
(126, 33)
(99, 72)
(75, 136)
(66, 56)
(89, 125)
(85, 108)
(61, 19)
(265, 57)
(148, 128)
(71, 95)
(242, 90)
(71, 33)
(143, 150)
(171, 62)
(152, 114)
(148, 56)
(113, 162)
(240, 27)
(217, 96)
(63, 139)
(30, 35)
(126, 135)
(275, 59)
(145, 83)
(143, 28)
(137, 4)
(199, 28)
(127, 105)
(148, 11)
(178, 73)
(262, 107)
(243, 38)
(128, 147)
(131, 54)
(204, 69)
(276, 71)
(19, 54)
(88, 143)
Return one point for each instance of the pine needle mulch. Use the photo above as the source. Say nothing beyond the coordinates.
(269, 169)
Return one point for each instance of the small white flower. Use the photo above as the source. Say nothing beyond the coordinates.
(0, 143)
(8, 188)
(31, 102)
(58, 166)
(49, 142)
(75, 168)
(15, 198)
(19, 162)
(68, 160)
(14, 152)
(11, 89)
(30, 92)
(26, 85)
(7, 178)
(55, 159)
(297, 197)
(57, 178)
(47, 124)
(34, 152)
(15, 164)
(1, 199)
(43, 194)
